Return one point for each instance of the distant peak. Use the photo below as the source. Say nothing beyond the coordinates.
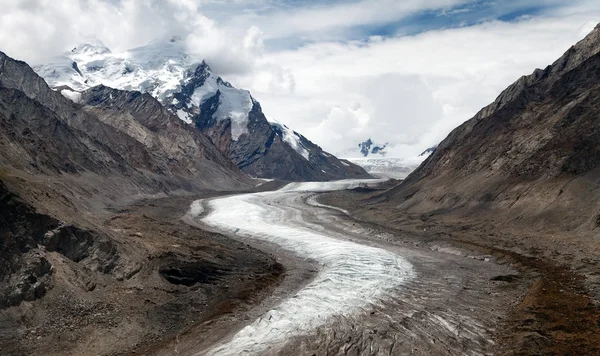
(201, 70)
(224, 83)
(205, 66)
(428, 151)
(175, 39)
(369, 147)
(91, 47)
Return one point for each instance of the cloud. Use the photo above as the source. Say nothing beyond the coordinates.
(338, 72)
(35, 30)
(322, 18)
(408, 90)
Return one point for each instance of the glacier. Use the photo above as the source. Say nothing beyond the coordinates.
(351, 277)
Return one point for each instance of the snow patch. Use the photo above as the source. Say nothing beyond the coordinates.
(74, 96)
(184, 116)
(292, 138)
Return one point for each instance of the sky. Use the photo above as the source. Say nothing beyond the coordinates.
(405, 72)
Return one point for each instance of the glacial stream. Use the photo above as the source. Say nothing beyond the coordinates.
(351, 277)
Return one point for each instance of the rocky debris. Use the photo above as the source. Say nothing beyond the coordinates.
(29, 282)
(185, 277)
(25, 271)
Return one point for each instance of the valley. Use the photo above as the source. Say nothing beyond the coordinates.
(364, 279)
(150, 207)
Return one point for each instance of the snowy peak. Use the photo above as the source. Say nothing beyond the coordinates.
(90, 48)
(190, 89)
(204, 98)
(368, 147)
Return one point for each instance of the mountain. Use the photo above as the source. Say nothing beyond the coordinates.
(231, 117)
(387, 167)
(369, 148)
(531, 158)
(366, 148)
(63, 165)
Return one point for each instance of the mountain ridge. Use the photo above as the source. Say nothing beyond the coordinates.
(536, 144)
(231, 117)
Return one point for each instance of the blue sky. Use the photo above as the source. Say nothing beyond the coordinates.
(391, 23)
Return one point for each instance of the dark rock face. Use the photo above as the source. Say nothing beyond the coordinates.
(25, 238)
(25, 274)
(537, 144)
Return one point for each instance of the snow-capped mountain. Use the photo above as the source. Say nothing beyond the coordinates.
(366, 148)
(231, 117)
(373, 158)
(156, 68)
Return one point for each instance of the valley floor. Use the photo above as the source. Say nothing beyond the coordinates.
(187, 278)
(365, 291)
(558, 312)
(226, 284)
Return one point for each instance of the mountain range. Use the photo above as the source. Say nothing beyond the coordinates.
(230, 117)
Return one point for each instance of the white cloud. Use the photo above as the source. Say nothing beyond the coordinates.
(323, 18)
(410, 90)
(35, 30)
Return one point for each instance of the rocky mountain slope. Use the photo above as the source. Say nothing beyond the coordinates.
(67, 160)
(231, 117)
(45, 133)
(531, 157)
